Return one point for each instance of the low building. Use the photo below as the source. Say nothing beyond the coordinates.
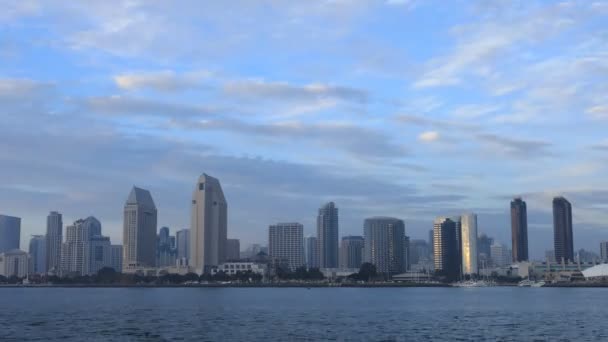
(333, 273)
(412, 277)
(231, 268)
(14, 263)
(597, 272)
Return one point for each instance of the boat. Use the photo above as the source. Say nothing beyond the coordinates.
(531, 283)
(538, 284)
(472, 283)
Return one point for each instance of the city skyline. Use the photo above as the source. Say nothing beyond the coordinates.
(359, 102)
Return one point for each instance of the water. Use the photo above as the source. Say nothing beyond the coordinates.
(299, 314)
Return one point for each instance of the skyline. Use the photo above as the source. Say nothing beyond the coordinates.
(393, 108)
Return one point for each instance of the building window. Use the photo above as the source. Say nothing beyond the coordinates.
(201, 186)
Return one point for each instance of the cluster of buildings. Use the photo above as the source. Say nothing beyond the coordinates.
(454, 248)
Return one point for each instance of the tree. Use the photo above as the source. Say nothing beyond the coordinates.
(367, 271)
(107, 275)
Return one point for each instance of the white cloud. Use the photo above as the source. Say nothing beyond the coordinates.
(166, 80)
(598, 112)
(429, 136)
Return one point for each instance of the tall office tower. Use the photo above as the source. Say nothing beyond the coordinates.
(351, 251)
(458, 221)
(501, 256)
(431, 243)
(37, 253)
(311, 252)
(468, 244)
(10, 233)
(327, 236)
(100, 253)
(484, 243)
(384, 238)
(76, 252)
(166, 253)
(54, 239)
(419, 251)
(139, 231)
(446, 258)
(116, 258)
(562, 230)
(286, 243)
(233, 249)
(604, 251)
(209, 230)
(182, 238)
(519, 230)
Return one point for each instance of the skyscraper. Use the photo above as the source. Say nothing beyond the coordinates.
(458, 226)
(209, 230)
(182, 238)
(76, 251)
(562, 230)
(468, 244)
(233, 249)
(500, 254)
(139, 231)
(384, 240)
(519, 230)
(116, 258)
(311, 252)
(54, 239)
(286, 243)
(445, 243)
(100, 253)
(327, 235)
(351, 251)
(604, 251)
(166, 253)
(419, 251)
(10, 233)
(37, 251)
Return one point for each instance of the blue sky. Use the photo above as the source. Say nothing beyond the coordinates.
(412, 109)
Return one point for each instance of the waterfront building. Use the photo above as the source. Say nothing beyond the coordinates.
(182, 238)
(233, 249)
(14, 263)
(285, 242)
(468, 230)
(139, 231)
(209, 230)
(232, 268)
(351, 252)
(76, 251)
(116, 258)
(166, 253)
(10, 233)
(384, 239)
(604, 251)
(37, 252)
(311, 252)
(100, 253)
(446, 248)
(406, 253)
(54, 240)
(562, 230)
(327, 236)
(519, 230)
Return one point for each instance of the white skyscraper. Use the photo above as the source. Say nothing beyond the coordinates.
(501, 255)
(209, 231)
(10, 233)
(37, 252)
(468, 229)
(76, 251)
(54, 239)
(14, 263)
(286, 243)
(139, 231)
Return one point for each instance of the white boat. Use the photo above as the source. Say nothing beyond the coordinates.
(538, 284)
(530, 283)
(472, 283)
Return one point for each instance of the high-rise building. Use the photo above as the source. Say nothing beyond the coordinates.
(432, 243)
(327, 236)
(604, 251)
(550, 256)
(10, 233)
(563, 241)
(447, 262)
(468, 244)
(116, 258)
(37, 251)
(519, 230)
(585, 256)
(406, 253)
(311, 252)
(76, 251)
(100, 253)
(182, 238)
(501, 256)
(286, 243)
(54, 239)
(419, 251)
(209, 230)
(139, 231)
(233, 249)
(384, 240)
(14, 263)
(166, 253)
(351, 251)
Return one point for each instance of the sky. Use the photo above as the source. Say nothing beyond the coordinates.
(406, 108)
